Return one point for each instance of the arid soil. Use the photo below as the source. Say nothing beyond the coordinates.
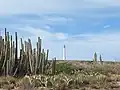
(82, 76)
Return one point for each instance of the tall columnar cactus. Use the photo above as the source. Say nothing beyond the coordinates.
(0, 46)
(4, 66)
(101, 61)
(16, 52)
(16, 55)
(11, 55)
(46, 60)
(30, 55)
(8, 55)
(22, 51)
(26, 58)
(43, 61)
(39, 52)
(54, 66)
(34, 63)
(31, 61)
(1, 51)
(95, 57)
(36, 56)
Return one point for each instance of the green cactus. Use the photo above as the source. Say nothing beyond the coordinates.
(101, 61)
(54, 66)
(32, 61)
(16, 55)
(30, 55)
(95, 57)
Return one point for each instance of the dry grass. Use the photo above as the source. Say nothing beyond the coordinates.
(86, 76)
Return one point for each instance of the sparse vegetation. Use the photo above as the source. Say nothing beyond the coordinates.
(89, 77)
(64, 68)
(39, 73)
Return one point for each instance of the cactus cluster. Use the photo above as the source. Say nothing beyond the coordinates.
(30, 61)
(95, 58)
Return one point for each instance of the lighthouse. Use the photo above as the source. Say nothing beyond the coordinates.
(64, 52)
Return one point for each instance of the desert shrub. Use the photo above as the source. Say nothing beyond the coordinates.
(3, 81)
(8, 82)
(64, 68)
(106, 69)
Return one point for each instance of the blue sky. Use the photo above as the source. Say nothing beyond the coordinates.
(84, 26)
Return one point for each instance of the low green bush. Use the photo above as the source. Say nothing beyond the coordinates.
(66, 68)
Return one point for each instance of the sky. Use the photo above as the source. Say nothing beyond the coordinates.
(84, 26)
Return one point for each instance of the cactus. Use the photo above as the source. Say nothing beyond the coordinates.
(34, 63)
(36, 59)
(95, 57)
(39, 51)
(101, 59)
(30, 55)
(4, 67)
(43, 61)
(46, 60)
(11, 55)
(8, 55)
(54, 66)
(16, 49)
(31, 61)
(16, 56)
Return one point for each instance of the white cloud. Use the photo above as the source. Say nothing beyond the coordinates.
(38, 6)
(48, 27)
(45, 35)
(106, 44)
(47, 20)
(106, 26)
(57, 19)
(61, 36)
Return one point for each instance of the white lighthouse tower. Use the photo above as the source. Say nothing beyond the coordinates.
(64, 52)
